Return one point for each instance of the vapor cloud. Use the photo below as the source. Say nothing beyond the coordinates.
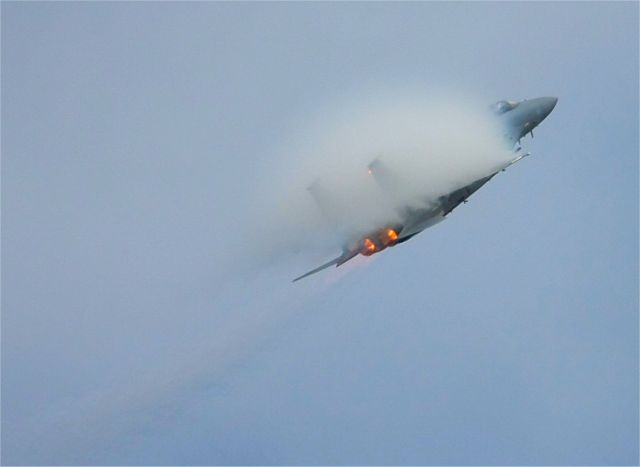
(433, 142)
(155, 174)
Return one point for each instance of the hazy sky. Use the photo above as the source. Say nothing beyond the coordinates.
(142, 323)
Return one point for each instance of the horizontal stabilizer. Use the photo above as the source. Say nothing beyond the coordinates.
(343, 258)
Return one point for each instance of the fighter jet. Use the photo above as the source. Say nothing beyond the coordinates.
(518, 119)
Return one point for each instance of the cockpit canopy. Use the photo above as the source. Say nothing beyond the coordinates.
(501, 107)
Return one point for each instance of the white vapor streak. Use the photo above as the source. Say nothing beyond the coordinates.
(433, 144)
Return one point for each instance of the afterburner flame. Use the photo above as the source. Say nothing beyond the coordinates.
(368, 247)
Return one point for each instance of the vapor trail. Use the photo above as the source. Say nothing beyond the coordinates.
(433, 143)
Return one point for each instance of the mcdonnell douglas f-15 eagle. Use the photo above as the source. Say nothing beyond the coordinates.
(518, 118)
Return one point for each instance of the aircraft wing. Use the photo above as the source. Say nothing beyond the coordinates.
(459, 196)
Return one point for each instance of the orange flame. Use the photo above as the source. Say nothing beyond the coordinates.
(392, 235)
(368, 247)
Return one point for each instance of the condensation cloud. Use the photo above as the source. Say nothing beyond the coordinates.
(434, 142)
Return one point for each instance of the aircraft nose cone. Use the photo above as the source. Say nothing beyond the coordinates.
(547, 104)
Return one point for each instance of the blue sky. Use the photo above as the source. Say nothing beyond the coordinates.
(138, 327)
